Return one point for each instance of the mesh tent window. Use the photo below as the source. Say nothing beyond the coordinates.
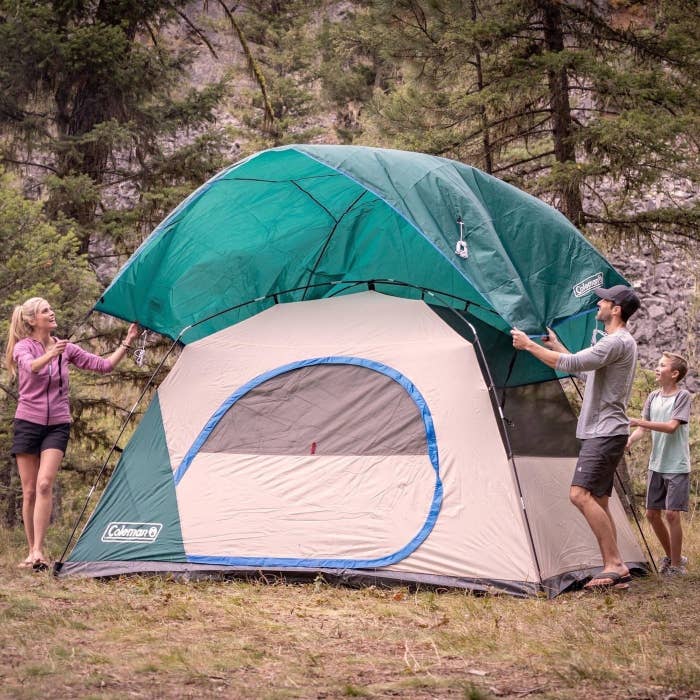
(325, 410)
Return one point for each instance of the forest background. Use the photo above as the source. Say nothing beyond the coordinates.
(112, 111)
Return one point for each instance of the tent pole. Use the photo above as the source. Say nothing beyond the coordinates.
(511, 365)
(274, 296)
(506, 440)
(330, 235)
(630, 502)
(58, 565)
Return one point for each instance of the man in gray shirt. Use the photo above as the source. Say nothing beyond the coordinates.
(603, 427)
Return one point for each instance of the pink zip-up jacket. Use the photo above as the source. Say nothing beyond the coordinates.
(43, 395)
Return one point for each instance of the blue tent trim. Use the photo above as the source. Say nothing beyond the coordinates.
(267, 562)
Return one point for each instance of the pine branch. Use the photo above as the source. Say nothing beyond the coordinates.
(625, 37)
(194, 28)
(510, 166)
(29, 163)
(420, 24)
(253, 67)
(152, 34)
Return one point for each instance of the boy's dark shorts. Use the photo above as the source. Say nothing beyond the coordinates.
(668, 491)
(597, 460)
(33, 438)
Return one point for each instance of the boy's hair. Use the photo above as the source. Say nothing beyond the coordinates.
(678, 364)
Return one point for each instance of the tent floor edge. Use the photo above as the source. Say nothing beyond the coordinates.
(550, 587)
(574, 580)
(347, 577)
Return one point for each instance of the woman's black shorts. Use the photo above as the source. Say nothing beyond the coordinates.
(33, 438)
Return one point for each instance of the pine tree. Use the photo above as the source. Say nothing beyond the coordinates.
(93, 96)
(280, 42)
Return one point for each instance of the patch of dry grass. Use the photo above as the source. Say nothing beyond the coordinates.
(155, 638)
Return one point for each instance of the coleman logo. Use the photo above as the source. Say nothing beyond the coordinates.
(588, 285)
(131, 532)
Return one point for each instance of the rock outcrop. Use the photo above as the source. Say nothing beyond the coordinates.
(668, 283)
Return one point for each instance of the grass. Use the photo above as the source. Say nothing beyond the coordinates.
(157, 638)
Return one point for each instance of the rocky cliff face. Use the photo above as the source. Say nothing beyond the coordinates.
(668, 282)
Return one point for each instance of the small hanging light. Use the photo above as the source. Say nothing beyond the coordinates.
(461, 247)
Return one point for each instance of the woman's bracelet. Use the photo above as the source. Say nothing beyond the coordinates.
(124, 345)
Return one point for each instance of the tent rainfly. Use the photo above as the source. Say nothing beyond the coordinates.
(348, 400)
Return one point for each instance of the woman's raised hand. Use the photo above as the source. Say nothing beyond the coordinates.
(57, 347)
(132, 333)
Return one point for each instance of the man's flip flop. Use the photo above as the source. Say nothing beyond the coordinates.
(608, 579)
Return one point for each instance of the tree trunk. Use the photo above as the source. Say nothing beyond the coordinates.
(486, 141)
(562, 125)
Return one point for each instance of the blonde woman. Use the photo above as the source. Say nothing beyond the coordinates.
(42, 420)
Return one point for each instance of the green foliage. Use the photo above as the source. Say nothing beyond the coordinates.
(352, 66)
(282, 39)
(37, 259)
(97, 114)
(93, 91)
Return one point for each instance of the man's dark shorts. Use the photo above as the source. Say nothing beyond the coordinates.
(668, 491)
(597, 460)
(33, 438)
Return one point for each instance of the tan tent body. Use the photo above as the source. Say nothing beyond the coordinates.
(355, 436)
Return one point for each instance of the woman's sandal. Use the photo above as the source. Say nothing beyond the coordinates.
(40, 565)
(26, 564)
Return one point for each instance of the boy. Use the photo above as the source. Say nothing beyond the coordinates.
(666, 413)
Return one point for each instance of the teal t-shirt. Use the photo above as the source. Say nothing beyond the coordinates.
(670, 452)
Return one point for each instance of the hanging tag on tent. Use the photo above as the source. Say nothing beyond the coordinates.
(461, 247)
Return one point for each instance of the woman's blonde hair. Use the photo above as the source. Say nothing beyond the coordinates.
(20, 327)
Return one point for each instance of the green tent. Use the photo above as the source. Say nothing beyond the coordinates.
(304, 222)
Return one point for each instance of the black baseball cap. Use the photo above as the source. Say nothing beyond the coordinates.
(620, 295)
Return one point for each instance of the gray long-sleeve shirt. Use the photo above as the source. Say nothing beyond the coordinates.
(609, 366)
